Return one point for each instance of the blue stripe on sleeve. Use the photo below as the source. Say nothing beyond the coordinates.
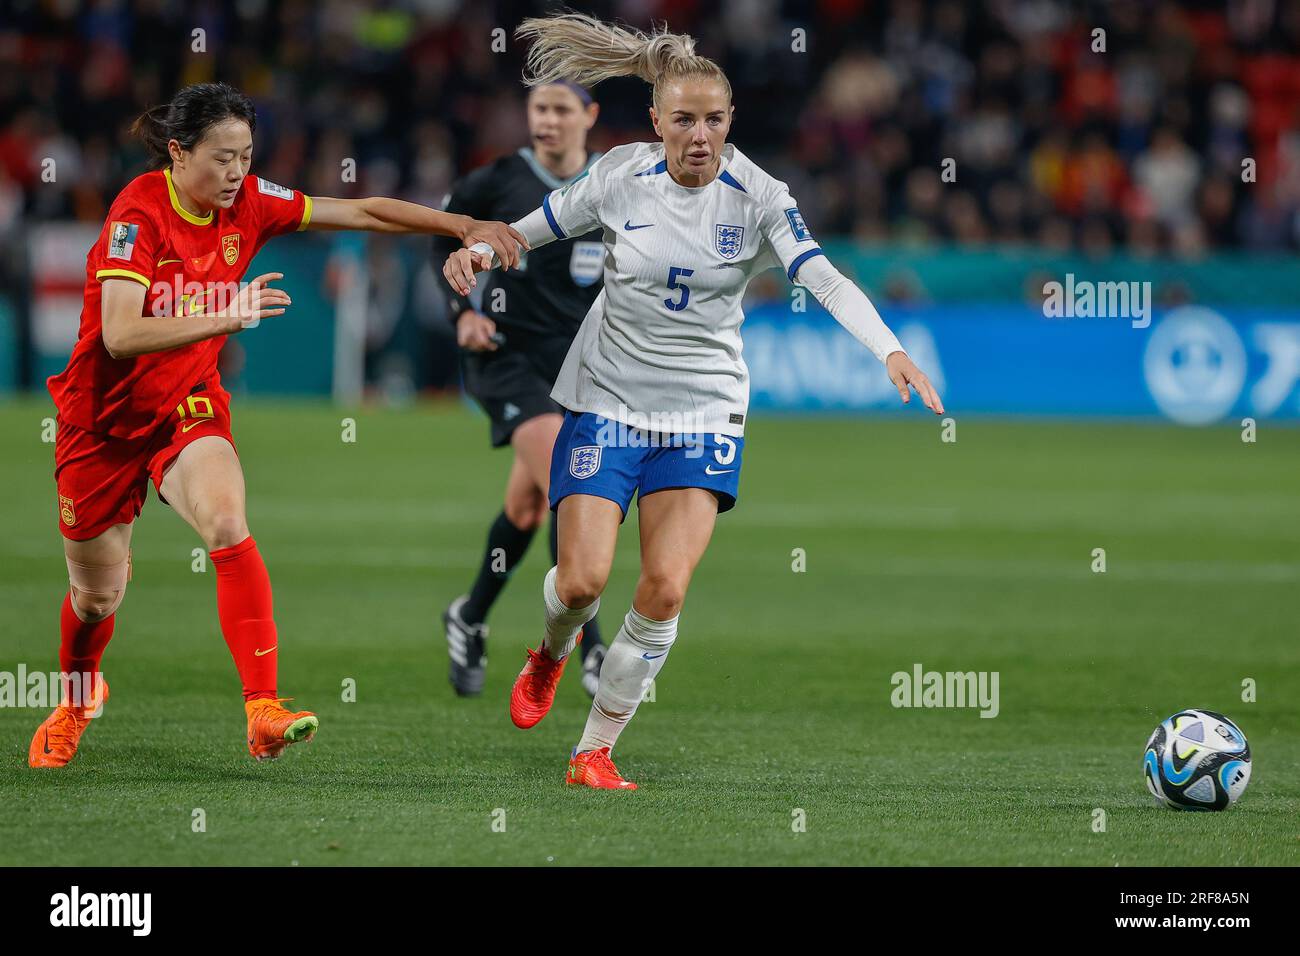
(800, 260)
(550, 218)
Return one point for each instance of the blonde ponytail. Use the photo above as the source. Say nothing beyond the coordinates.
(576, 47)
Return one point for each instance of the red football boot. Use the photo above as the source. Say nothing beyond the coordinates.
(56, 739)
(272, 727)
(534, 689)
(593, 768)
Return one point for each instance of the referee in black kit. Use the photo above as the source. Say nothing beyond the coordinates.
(511, 353)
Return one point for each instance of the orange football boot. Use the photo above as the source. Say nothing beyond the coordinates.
(534, 689)
(272, 728)
(55, 741)
(593, 768)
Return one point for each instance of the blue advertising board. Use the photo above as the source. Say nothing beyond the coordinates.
(1193, 365)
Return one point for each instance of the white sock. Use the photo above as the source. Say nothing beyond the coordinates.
(563, 622)
(631, 664)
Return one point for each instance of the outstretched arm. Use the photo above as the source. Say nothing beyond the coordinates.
(565, 212)
(459, 269)
(853, 310)
(786, 232)
(380, 214)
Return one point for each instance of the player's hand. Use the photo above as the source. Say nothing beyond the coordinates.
(474, 332)
(904, 373)
(255, 301)
(504, 239)
(460, 267)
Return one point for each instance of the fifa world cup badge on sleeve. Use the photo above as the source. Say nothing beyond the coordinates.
(585, 461)
(268, 188)
(797, 226)
(121, 239)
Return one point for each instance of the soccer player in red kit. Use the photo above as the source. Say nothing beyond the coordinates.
(141, 399)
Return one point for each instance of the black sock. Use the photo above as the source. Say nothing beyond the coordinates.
(506, 545)
(590, 630)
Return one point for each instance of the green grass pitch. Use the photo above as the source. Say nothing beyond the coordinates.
(974, 555)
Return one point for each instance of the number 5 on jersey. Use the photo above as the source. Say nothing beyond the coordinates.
(725, 454)
(673, 273)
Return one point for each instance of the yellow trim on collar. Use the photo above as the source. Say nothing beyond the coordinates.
(176, 203)
(306, 212)
(103, 274)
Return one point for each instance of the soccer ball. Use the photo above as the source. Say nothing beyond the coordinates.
(1197, 760)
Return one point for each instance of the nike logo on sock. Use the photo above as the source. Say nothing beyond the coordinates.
(265, 652)
(655, 658)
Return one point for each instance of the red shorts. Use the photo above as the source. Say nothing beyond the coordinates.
(103, 481)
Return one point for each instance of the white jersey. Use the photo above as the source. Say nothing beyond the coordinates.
(660, 348)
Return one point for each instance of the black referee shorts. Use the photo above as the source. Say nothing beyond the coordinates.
(512, 386)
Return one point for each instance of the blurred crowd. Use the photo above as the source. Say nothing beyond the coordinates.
(1167, 128)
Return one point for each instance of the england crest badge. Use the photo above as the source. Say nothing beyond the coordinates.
(728, 240)
(585, 461)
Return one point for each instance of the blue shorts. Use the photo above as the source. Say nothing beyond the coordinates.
(601, 457)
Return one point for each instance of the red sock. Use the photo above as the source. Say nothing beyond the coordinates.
(247, 617)
(81, 647)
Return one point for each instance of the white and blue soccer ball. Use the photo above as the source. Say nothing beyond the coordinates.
(1197, 760)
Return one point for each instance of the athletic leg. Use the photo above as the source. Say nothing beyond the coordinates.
(588, 534)
(676, 526)
(205, 486)
(571, 595)
(98, 570)
(592, 481)
(534, 442)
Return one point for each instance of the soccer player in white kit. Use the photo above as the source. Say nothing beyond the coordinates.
(654, 386)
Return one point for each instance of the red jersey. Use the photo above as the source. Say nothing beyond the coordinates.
(180, 258)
